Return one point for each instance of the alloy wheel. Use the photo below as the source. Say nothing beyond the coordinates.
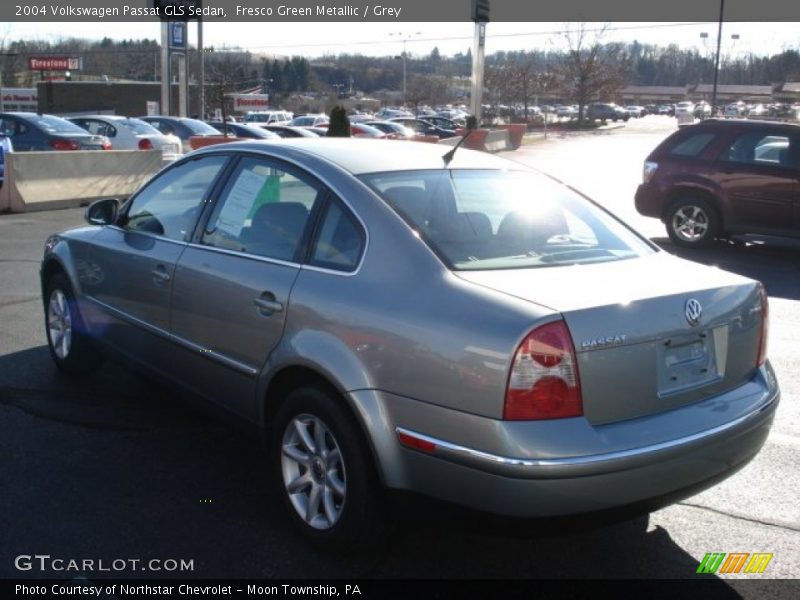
(313, 471)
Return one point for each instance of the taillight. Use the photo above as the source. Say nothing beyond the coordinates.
(649, 170)
(145, 144)
(762, 342)
(544, 382)
(107, 145)
(64, 144)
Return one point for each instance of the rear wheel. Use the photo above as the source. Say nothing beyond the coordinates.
(692, 222)
(67, 340)
(329, 483)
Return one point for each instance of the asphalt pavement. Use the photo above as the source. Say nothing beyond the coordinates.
(116, 467)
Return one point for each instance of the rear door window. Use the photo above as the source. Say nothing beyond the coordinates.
(759, 148)
(264, 210)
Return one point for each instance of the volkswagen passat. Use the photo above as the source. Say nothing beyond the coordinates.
(468, 329)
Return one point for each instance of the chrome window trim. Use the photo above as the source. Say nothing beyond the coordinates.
(588, 465)
(257, 257)
(206, 352)
(334, 190)
(154, 236)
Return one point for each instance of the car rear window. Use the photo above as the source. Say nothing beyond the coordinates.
(692, 145)
(491, 219)
(139, 127)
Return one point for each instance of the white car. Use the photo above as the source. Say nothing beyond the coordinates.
(635, 111)
(126, 133)
(268, 117)
(309, 120)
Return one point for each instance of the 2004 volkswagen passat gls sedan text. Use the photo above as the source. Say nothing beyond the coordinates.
(467, 329)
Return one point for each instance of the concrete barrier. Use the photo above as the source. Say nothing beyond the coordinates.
(46, 180)
(201, 141)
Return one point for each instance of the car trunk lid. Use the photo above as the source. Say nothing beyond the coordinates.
(641, 345)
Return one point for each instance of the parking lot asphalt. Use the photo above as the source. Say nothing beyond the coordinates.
(116, 467)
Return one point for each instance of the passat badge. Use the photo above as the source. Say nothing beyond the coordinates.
(693, 311)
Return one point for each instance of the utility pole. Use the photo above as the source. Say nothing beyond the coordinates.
(480, 15)
(716, 60)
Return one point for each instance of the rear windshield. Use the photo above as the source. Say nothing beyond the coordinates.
(52, 124)
(138, 127)
(482, 220)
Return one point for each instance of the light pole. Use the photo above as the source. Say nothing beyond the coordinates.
(406, 37)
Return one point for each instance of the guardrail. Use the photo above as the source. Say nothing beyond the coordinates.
(47, 180)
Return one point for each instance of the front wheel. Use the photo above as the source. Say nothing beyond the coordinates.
(692, 223)
(67, 339)
(329, 483)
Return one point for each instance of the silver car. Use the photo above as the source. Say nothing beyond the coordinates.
(392, 319)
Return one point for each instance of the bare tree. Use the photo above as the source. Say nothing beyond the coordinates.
(426, 89)
(589, 70)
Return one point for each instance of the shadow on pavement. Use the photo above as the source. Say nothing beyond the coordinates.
(131, 473)
(775, 263)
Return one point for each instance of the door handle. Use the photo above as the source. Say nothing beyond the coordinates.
(160, 275)
(266, 303)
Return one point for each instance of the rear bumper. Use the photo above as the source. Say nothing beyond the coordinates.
(553, 485)
(649, 200)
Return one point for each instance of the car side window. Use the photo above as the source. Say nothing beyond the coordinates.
(170, 204)
(264, 210)
(340, 241)
(98, 127)
(693, 145)
(759, 148)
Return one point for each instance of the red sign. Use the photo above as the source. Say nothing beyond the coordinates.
(54, 63)
(250, 101)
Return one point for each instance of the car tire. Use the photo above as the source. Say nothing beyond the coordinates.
(692, 222)
(67, 338)
(325, 470)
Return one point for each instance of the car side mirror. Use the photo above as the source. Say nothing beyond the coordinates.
(102, 212)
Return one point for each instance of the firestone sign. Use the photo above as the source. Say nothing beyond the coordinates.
(243, 102)
(54, 63)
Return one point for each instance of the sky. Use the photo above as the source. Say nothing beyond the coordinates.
(383, 39)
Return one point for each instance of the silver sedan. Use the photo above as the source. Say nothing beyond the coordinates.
(393, 318)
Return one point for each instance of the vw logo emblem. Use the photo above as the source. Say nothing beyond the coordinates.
(693, 311)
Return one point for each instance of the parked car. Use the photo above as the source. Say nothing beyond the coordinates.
(635, 111)
(423, 127)
(443, 122)
(392, 129)
(736, 109)
(288, 131)
(356, 130)
(557, 362)
(722, 177)
(606, 111)
(702, 110)
(126, 133)
(31, 131)
(268, 117)
(182, 127)
(309, 120)
(684, 113)
(244, 130)
(387, 113)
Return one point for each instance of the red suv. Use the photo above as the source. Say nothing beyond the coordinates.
(724, 176)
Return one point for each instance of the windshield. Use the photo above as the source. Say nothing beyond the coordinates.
(138, 127)
(481, 220)
(52, 124)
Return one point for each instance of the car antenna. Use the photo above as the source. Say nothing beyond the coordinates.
(472, 125)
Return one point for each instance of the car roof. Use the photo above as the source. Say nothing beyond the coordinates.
(359, 155)
(737, 123)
